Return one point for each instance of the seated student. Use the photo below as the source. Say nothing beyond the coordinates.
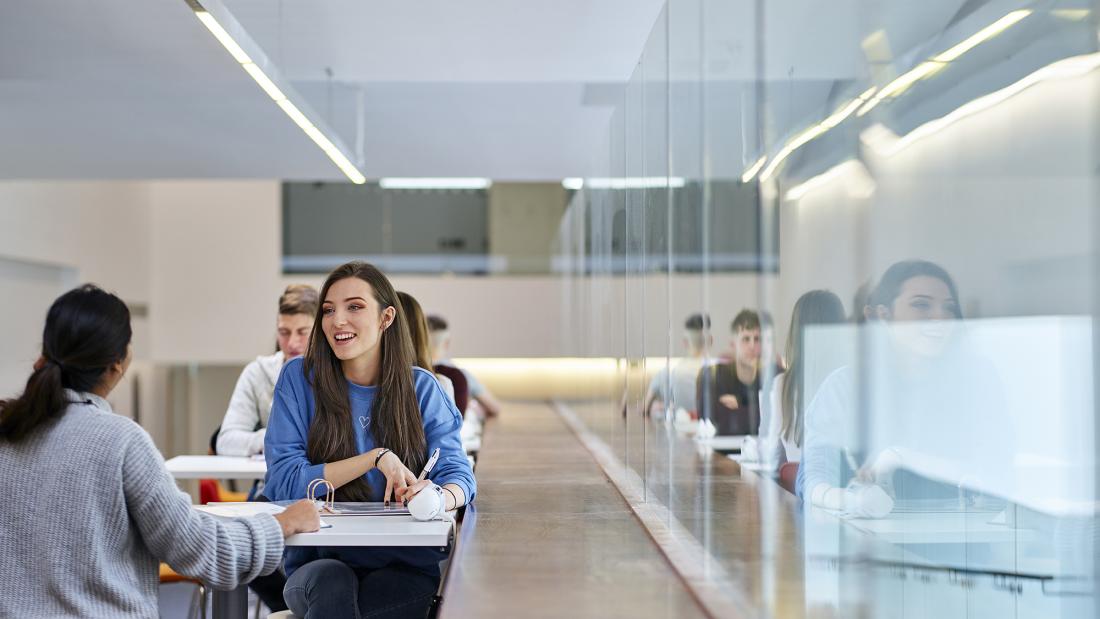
(729, 393)
(359, 367)
(441, 352)
(781, 422)
(455, 386)
(242, 431)
(917, 378)
(697, 340)
(90, 509)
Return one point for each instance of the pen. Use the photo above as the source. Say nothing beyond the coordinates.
(430, 464)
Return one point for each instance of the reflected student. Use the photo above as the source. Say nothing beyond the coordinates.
(925, 399)
(781, 425)
(729, 393)
(681, 378)
(91, 508)
(360, 368)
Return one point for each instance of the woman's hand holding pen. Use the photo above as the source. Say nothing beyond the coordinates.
(300, 517)
(398, 476)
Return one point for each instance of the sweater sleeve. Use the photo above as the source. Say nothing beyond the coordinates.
(822, 451)
(289, 469)
(442, 424)
(239, 436)
(222, 553)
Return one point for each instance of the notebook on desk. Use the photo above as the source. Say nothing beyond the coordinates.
(361, 508)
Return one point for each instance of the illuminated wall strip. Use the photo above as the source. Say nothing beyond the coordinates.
(280, 98)
(859, 182)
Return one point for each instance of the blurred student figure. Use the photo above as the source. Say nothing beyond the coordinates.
(91, 509)
(918, 378)
(245, 422)
(861, 310)
(454, 384)
(729, 393)
(697, 341)
(441, 353)
(781, 424)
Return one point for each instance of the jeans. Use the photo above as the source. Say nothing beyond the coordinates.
(330, 589)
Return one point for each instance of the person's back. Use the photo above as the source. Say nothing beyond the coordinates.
(89, 507)
(75, 477)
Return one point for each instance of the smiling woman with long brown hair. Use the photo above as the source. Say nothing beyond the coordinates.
(356, 412)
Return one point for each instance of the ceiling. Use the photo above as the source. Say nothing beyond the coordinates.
(493, 88)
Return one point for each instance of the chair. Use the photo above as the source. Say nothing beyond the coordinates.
(169, 576)
(788, 473)
(212, 491)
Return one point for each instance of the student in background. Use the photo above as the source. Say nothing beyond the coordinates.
(918, 376)
(455, 386)
(359, 367)
(441, 352)
(729, 393)
(87, 481)
(242, 430)
(697, 341)
(782, 421)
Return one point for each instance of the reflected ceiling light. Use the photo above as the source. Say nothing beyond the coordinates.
(626, 182)
(937, 62)
(813, 132)
(1071, 14)
(857, 181)
(753, 169)
(277, 95)
(886, 143)
(984, 34)
(435, 183)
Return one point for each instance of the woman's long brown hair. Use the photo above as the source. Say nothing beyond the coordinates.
(418, 330)
(395, 413)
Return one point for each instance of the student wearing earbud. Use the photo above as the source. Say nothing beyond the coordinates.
(90, 510)
(355, 412)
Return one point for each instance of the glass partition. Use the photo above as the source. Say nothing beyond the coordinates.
(867, 229)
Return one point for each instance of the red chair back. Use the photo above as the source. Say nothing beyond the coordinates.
(208, 491)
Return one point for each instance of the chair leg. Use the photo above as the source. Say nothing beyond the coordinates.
(202, 600)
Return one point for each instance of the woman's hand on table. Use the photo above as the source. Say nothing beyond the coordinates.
(398, 477)
(300, 517)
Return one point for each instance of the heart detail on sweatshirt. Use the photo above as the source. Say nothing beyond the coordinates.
(364, 421)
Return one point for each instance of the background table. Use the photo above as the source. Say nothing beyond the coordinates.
(216, 467)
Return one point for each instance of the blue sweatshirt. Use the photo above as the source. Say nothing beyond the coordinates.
(289, 469)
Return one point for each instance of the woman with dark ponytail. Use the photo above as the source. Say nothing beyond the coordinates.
(356, 412)
(90, 484)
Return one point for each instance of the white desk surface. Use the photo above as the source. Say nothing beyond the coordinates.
(216, 467)
(724, 442)
(941, 528)
(376, 531)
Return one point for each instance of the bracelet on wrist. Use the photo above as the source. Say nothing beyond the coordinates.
(378, 458)
(453, 496)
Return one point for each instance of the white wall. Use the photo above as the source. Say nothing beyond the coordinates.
(215, 265)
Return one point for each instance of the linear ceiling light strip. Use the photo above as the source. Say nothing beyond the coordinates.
(257, 74)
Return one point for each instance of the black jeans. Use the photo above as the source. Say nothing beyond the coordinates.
(330, 589)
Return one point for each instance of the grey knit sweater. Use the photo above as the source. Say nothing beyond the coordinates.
(88, 511)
